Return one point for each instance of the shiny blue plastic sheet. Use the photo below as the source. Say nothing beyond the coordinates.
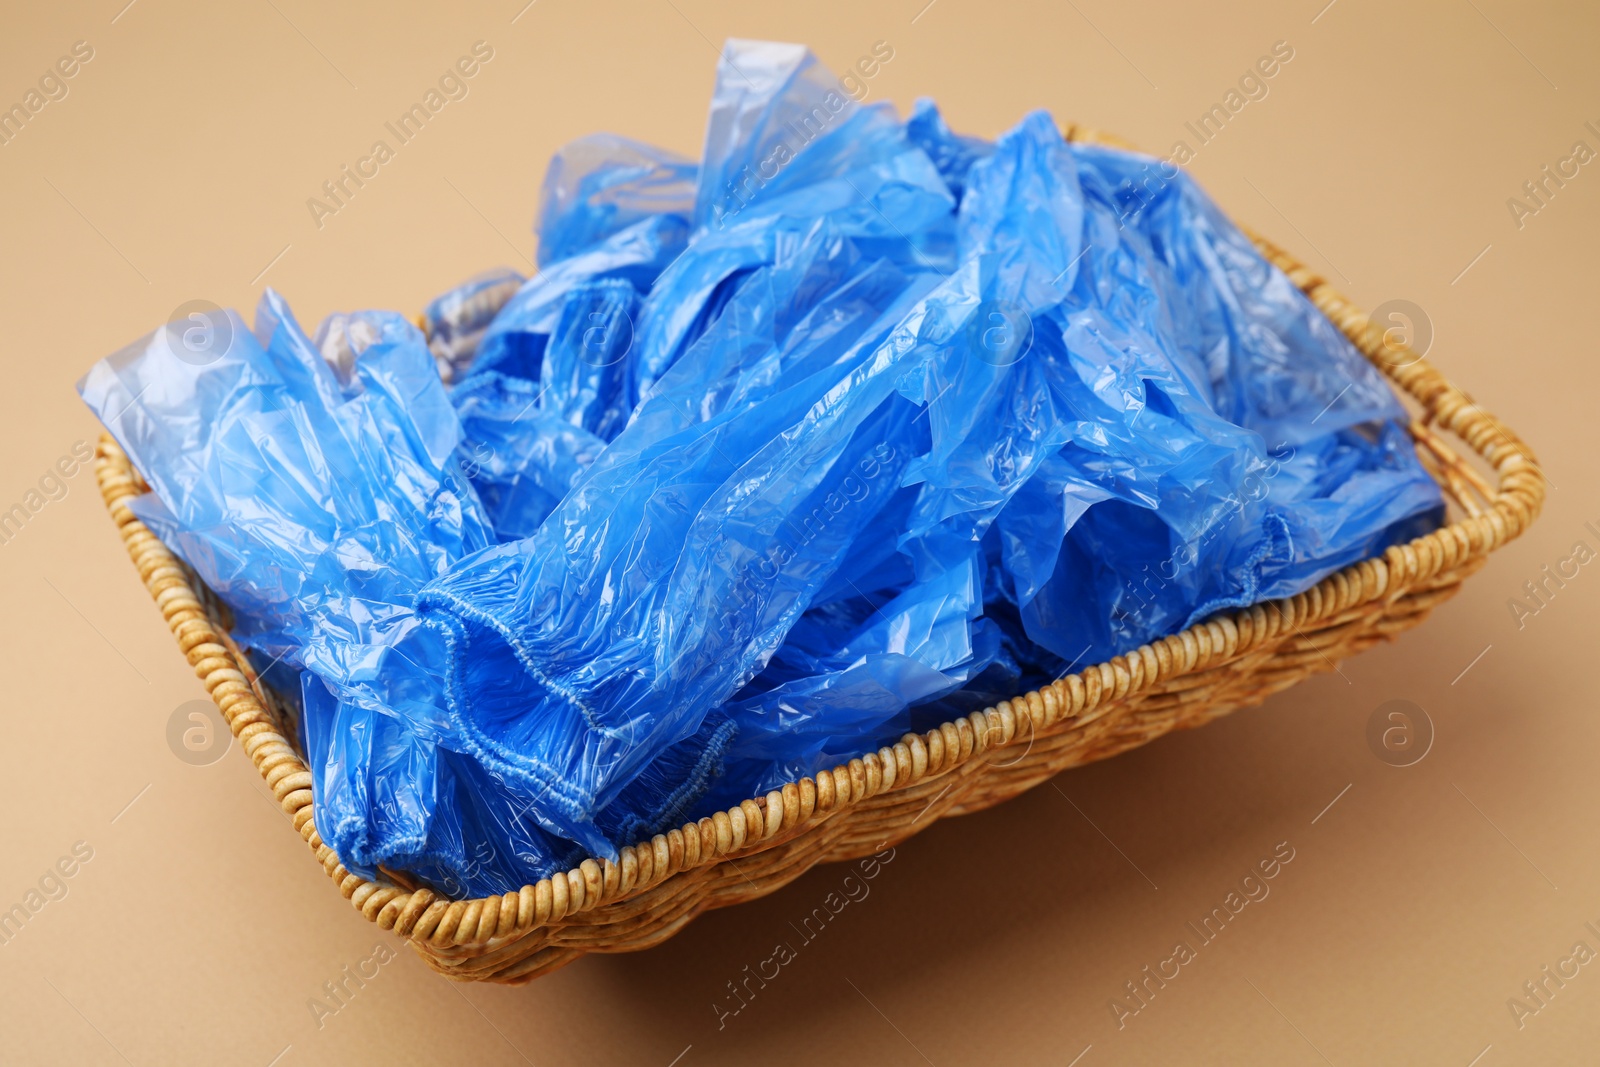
(851, 426)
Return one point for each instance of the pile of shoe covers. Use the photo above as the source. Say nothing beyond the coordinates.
(850, 427)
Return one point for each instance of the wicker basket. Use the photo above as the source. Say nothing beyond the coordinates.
(884, 797)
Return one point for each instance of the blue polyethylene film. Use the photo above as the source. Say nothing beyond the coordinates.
(852, 425)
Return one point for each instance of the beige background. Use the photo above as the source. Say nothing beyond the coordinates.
(178, 168)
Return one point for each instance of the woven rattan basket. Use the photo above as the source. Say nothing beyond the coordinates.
(656, 887)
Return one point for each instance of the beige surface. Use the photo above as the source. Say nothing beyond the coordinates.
(178, 166)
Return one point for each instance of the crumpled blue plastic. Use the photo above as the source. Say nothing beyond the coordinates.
(851, 426)
(457, 319)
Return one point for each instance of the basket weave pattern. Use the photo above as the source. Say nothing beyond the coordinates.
(657, 886)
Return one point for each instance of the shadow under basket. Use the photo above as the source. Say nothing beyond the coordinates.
(656, 887)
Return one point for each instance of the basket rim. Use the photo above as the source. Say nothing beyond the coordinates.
(455, 925)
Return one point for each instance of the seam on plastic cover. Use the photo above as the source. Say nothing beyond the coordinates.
(675, 806)
(530, 771)
(437, 603)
